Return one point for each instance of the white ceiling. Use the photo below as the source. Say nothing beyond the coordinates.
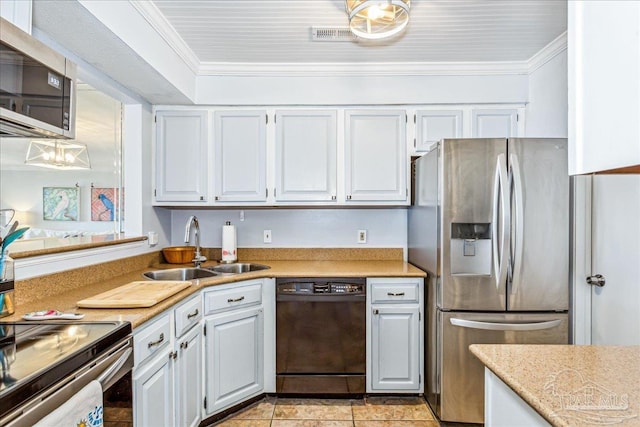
(279, 31)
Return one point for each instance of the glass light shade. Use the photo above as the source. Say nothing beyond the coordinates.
(377, 19)
(58, 155)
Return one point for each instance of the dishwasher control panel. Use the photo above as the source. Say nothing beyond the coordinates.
(309, 286)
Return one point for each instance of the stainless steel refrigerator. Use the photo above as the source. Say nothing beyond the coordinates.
(490, 224)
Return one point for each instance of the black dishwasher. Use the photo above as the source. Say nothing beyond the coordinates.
(320, 336)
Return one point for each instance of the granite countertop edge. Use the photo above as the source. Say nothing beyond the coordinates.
(66, 300)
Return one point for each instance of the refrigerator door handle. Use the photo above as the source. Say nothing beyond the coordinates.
(517, 240)
(497, 326)
(502, 216)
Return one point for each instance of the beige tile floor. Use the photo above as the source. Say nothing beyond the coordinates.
(367, 412)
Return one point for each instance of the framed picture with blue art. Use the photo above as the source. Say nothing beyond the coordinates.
(105, 204)
(60, 203)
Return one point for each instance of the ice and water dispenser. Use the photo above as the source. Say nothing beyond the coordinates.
(471, 248)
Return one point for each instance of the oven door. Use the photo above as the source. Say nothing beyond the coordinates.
(111, 370)
(320, 340)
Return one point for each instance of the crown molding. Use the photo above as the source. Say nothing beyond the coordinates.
(161, 25)
(547, 53)
(250, 69)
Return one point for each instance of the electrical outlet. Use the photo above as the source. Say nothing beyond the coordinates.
(362, 236)
(266, 236)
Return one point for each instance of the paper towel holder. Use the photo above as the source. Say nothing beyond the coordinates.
(229, 255)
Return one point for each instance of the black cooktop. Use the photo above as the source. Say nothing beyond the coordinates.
(36, 355)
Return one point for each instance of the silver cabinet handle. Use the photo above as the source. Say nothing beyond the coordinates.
(194, 314)
(155, 343)
(498, 326)
(395, 294)
(597, 280)
(173, 355)
(184, 345)
(235, 300)
(376, 311)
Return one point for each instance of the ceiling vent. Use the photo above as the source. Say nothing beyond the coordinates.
(332, 34)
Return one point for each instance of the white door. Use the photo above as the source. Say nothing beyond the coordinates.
(306, 156)
(395, 348)
(375, 155)
(615, 249)
(240, 156)
(234, 357)
(432, 126)
(495, 123)
(153, 394)
(188, 378)
(181, 156)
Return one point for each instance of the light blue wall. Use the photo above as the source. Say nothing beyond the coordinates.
(298, 227)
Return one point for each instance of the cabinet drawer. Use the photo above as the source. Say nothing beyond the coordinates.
(151, 339)
(233, 297)
(394, 293)
(188, 315)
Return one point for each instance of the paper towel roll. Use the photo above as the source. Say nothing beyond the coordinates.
(229, 243)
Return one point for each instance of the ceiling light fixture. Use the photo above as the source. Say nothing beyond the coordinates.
(58, 154)
(377, 19)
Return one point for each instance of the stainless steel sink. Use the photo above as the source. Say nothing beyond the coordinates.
(237, 268)
(180, 274)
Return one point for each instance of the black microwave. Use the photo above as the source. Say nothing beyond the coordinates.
(37, 88)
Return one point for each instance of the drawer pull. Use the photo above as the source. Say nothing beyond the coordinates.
(194, 314)
(155, 343)
(235, 299)
(395, 294)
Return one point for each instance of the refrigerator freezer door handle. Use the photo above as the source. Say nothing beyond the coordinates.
(516, 241)
(497, 326)
(500, 200)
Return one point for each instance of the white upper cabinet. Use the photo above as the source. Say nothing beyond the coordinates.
(434, 125)
(240, 156)
(181, 156)
(305, 163)
(494, 123)
(375, 156)
(604, 86)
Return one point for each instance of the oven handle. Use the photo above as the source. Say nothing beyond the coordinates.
(106, 376)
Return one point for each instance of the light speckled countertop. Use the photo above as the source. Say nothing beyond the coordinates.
(571, 385)
(65, 299)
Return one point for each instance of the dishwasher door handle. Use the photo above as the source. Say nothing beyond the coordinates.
(106, 376)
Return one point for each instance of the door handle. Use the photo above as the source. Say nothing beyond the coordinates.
(498, 326)
(597, 280)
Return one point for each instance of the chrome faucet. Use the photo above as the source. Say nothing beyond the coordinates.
(198, 258)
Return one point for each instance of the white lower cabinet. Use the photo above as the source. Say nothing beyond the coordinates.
(167, 384)
(504, 408)
(394, 335)
(153, 379)
(234, 345)
(189, 379)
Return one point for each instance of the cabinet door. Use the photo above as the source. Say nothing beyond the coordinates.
(188, 375)
(376, 155)
(305, 156)
(395, 348)
(432, 126)
(604, 88)
(240, 156)
(495, 123)
(181, 156)
(234, 357)
(153, 394)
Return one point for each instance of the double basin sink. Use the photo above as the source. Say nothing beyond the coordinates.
(190, 273)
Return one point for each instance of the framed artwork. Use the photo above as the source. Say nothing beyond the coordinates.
(60, 203)
(105, 204)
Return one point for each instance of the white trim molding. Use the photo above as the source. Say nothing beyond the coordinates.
(547, 53)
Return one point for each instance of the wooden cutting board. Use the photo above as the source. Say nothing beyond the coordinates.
(146, 293)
